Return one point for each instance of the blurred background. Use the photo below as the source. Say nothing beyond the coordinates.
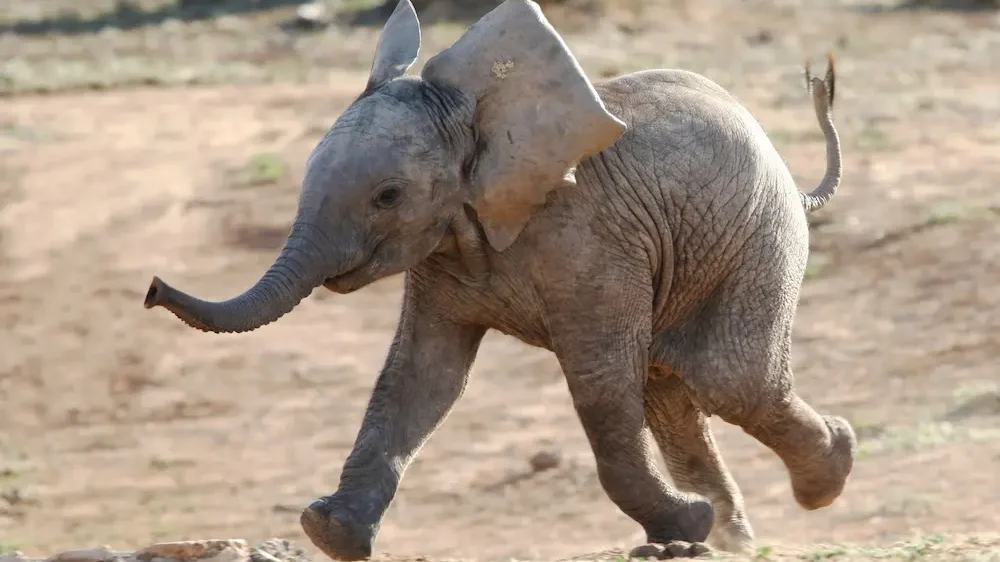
(168, 137)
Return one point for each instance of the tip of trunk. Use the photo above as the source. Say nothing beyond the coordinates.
(155, 293)
(161, 294)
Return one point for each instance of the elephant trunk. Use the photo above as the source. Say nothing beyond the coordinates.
(299, 268)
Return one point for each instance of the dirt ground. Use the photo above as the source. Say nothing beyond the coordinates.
(121, 426)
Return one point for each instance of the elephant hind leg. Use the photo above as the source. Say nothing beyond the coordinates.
(818, 451)
(735, 361)
(685, 439)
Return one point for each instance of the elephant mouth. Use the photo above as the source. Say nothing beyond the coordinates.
(341, 284)
(348, 282)
(365, 272)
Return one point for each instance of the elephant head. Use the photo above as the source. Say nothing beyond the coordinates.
(494, 122)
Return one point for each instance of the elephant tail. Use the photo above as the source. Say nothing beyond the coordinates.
(822, 95)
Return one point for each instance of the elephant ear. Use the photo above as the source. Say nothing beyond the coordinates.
(398, 45)
(537, 115)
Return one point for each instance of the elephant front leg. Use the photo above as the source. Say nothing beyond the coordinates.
(423, 377)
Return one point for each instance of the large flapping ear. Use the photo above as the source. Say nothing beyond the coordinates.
(537, 115)
(398, 45)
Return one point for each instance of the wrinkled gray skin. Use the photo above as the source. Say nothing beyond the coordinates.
(644, 230)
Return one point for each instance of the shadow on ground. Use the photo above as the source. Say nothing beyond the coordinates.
(968, 6)
(467, 12)
(128, 15)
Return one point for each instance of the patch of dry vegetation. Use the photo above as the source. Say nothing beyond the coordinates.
(931, 548)
(928, 548)
(98, 44)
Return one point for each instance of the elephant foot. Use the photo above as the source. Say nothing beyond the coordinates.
(335, 534)
(734, 536)
(672, 549)
(690, 523)
(824, 483)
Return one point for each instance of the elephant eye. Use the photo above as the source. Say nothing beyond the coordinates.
(388, 197)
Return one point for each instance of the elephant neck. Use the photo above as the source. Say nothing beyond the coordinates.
(465, 247)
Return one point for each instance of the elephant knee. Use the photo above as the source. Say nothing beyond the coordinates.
(743, 404)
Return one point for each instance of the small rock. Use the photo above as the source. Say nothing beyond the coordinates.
(229, 555)
(261, 556)
(676, 550)
(90, 555)
(312, 15)
(647, 551)
(220, 550)
(545, 460)
(172, 24)
(762, 37)
(699, 548)
(282, 550)
(16, 556)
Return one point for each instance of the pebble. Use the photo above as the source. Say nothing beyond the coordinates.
(545, 460)
(282, 550)
(101, 554)
(218, 550)
(312, 14)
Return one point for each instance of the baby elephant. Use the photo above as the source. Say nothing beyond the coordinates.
(643, 229)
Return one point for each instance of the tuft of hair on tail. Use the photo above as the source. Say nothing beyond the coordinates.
(828, 82)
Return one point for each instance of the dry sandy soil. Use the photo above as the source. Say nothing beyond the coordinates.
(121, 426)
